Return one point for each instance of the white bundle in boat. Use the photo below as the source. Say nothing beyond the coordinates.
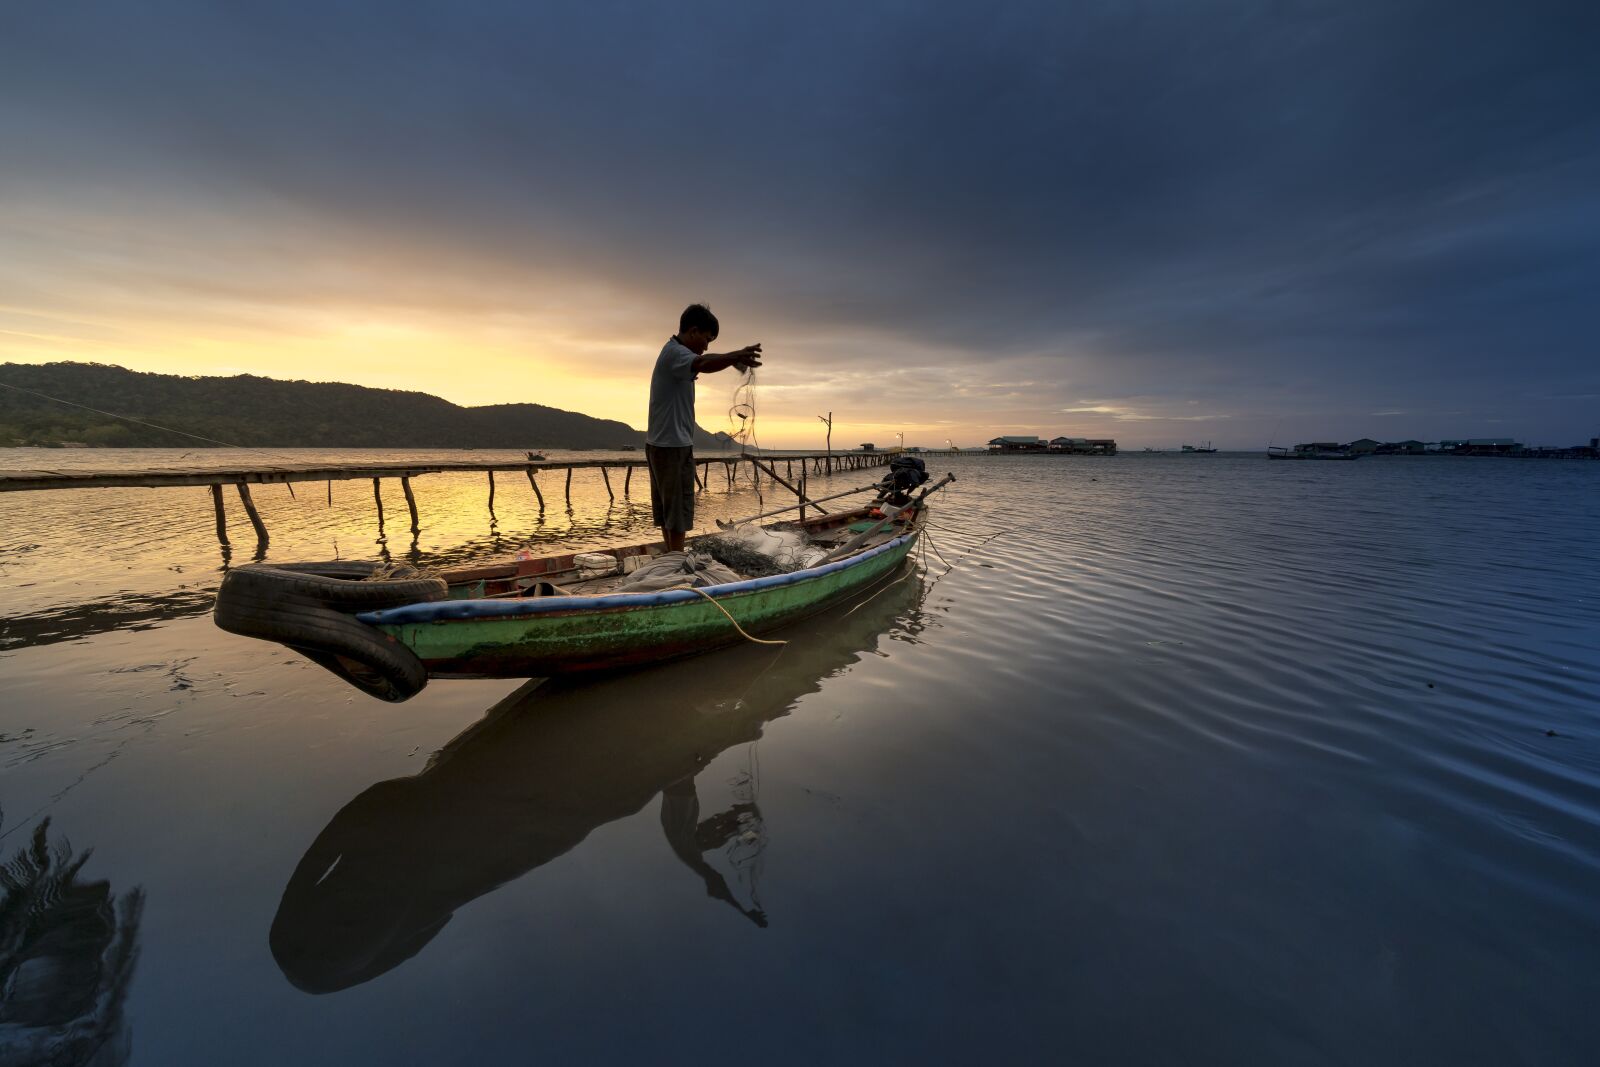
(595, 565)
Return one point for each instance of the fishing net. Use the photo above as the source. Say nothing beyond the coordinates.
(742, 412)
(757, 552)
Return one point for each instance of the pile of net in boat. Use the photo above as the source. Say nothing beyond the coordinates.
(677, 570)
(756, 552)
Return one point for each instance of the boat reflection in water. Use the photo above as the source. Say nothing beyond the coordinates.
(543, 769)
(67, 952)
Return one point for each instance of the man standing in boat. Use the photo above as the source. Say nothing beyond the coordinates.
(669, 441)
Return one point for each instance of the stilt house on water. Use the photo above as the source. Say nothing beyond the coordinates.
(1084, 446)
(1016, 444)
(1072, 446)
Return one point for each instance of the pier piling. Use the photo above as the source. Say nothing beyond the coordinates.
(250, 510)
(222, 516)
(411, 505)
(535, 483)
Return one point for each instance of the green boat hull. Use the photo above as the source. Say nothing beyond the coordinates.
(595, 635)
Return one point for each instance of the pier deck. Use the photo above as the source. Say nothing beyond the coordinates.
(272, 473)
(242, 477)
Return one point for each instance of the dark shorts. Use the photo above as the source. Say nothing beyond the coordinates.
(671, 487)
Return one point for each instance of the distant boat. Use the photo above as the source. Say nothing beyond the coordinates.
(1193, 449)
(536, 455)
(1279, 452)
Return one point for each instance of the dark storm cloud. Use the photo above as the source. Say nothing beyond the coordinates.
(1268, 204)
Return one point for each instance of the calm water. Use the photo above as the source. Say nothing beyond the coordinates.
(1188, 760)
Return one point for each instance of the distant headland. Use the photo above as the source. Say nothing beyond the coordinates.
(248, 410)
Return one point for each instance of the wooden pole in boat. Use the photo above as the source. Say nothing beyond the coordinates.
(411, 504)
(377, 495)
(604, 474)
(222, 517)
(774, 476)
(780, 511)
(535, 483)
(569, 488)
(250, 510)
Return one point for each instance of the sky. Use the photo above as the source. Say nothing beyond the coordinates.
(1164, 222)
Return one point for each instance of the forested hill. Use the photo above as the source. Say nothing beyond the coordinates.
(247, 410)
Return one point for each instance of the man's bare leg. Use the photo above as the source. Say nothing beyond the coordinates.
(673, 539)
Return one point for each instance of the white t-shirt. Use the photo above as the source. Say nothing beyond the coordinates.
(672, 398)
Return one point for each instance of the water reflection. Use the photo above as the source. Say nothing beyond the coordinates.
(67, 950)
(541, 771)
(128, 612)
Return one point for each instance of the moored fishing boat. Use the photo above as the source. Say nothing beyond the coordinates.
(388, 631)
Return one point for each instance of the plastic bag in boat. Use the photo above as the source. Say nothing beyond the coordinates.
(675, 569)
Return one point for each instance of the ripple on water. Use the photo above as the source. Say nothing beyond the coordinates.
(1318, 745)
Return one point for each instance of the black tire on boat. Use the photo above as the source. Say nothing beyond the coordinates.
(308, 606)
(339, 584)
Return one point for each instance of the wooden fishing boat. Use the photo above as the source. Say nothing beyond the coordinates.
(547, 616)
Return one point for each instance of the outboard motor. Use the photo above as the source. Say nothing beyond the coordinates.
(906, 472)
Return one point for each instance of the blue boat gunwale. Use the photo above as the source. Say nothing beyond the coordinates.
(452, 610)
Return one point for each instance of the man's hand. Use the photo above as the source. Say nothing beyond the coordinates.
(746, 358)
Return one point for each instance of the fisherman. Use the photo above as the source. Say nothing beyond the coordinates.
(669, 442)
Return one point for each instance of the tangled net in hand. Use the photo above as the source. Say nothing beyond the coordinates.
(742, 414)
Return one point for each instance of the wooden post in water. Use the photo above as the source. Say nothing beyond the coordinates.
(699, 483)
(491, 492)
(627, 480)
(250, 510)
(535, 483)
(802, 493)
(569, 488)
(727, 468)
(222, 517)
(607, 476)
(411, 504)
(377, 495)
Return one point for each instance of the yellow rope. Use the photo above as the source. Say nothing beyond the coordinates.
(712, 601)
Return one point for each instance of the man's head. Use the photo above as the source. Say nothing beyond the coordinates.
(697, 328)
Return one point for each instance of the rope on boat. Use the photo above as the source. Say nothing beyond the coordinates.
(713, 602)
(909, 572)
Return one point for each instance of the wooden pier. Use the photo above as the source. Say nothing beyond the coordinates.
(779, 469)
